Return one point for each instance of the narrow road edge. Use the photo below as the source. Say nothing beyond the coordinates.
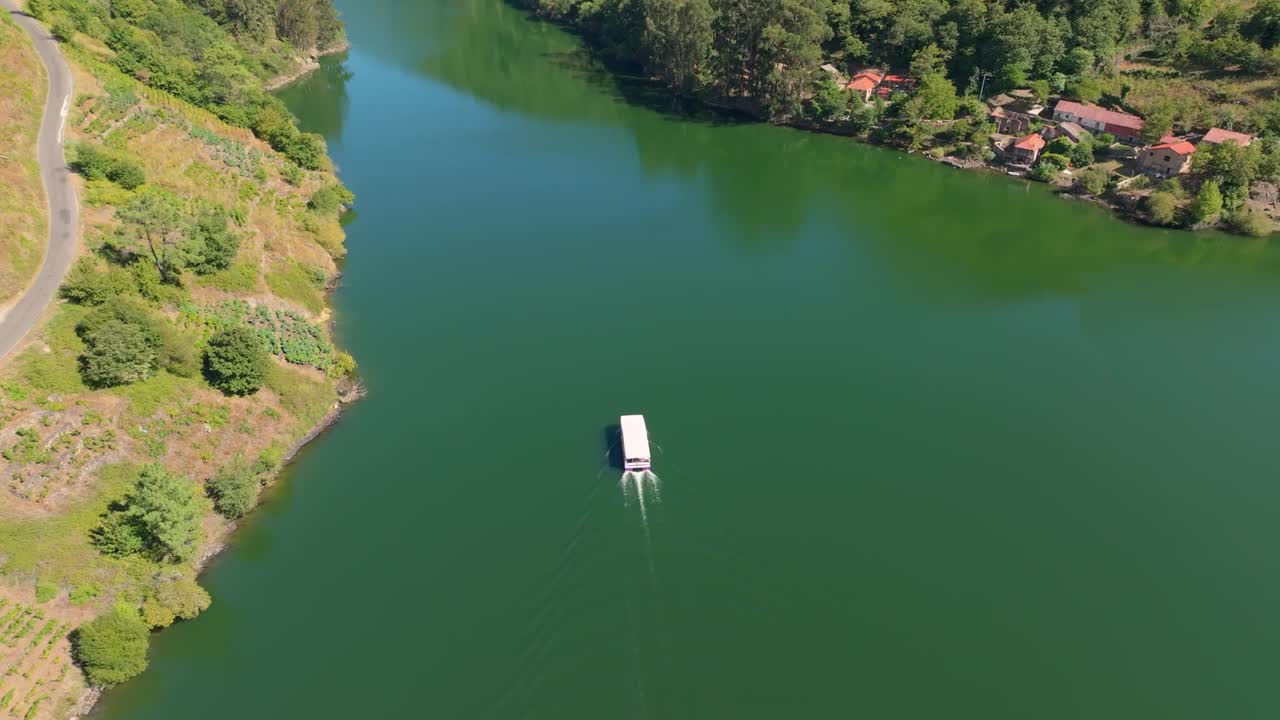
(64, 211)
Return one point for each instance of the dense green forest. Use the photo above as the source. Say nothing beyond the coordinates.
(768, 51)
(213, 53)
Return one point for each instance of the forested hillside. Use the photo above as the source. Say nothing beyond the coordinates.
(217, 54)
(1204, 61)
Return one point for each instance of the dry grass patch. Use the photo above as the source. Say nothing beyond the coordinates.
(23, 217)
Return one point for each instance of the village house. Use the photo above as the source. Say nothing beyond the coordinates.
(1218, 136)
(1013, 116)
(1166, 159)
(893, 83)
(1096, 119)
(1026, 150)
(1069, 130)
(865, 83)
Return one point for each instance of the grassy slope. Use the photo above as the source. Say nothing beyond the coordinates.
(89, 441)
(22, 201)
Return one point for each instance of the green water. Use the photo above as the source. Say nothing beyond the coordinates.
(934, 445)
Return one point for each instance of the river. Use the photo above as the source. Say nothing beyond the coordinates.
(933, 444)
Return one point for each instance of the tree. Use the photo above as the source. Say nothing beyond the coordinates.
(155, 218)
(236, 361)
(213, 244)
(1085, 89)
(934, 99)
(1162, 208)
(829, 100)
(1041, 90)
(166, 509)
(929, 60)
(1081, 154)
(678, 36)
(1233, 167)
(118, 353)
(1157, 125)
(112, 647)
(173, 597)
(234, 489)
(1207, 204)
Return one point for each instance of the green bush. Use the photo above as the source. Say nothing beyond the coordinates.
(84, 593)
(292, 174)
(234, 489)
(127, 174)
(45, 591)
(174, 598)
(88, 284)
(1093, 181)
(118, 353)
(112, 647)
(1246, 221)
(329, 199)
(1162, 208)
(236, 361)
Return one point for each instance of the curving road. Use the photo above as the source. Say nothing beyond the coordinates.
(64, 214)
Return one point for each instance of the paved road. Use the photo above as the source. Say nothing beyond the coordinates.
(63, 212)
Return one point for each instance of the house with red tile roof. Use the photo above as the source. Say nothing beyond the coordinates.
(1218, 136)
(1166, 159)
(865, 83)
(1099, 120)
(1026, 150)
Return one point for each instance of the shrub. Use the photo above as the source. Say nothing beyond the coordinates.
(1093, 181)
(84, 593)
(127, 174)
(1106, 139)
(118, 536)
(112, 647)
(236, 361)
(45, 591)
(86, 284)
(217, 245)
(119, 353)
(329, 199)
(234, 489)
(1162, 208)
(292, 174)
(1249, 222)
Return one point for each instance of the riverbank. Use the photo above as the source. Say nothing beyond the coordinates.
(260, 239)
(307, 64)
(927, 116)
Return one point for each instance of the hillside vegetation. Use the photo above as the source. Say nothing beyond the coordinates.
(1214, 62)
(216, 54)
(22, 204)
(189, 357)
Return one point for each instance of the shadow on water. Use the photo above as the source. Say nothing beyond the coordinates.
(968, 235)
(613, 446)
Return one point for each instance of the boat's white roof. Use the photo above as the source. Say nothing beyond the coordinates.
(635, 436)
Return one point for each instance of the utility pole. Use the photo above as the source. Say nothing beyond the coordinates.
(985, 77)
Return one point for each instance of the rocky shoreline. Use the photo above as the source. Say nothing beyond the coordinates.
(310, 62)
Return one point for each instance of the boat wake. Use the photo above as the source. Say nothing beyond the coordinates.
(644, 483)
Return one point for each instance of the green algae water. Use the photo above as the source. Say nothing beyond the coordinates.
(933, 444)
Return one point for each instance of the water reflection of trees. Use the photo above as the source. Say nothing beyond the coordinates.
(988, 234)
(320, 99)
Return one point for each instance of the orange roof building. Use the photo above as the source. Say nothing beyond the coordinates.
(1218, 135)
